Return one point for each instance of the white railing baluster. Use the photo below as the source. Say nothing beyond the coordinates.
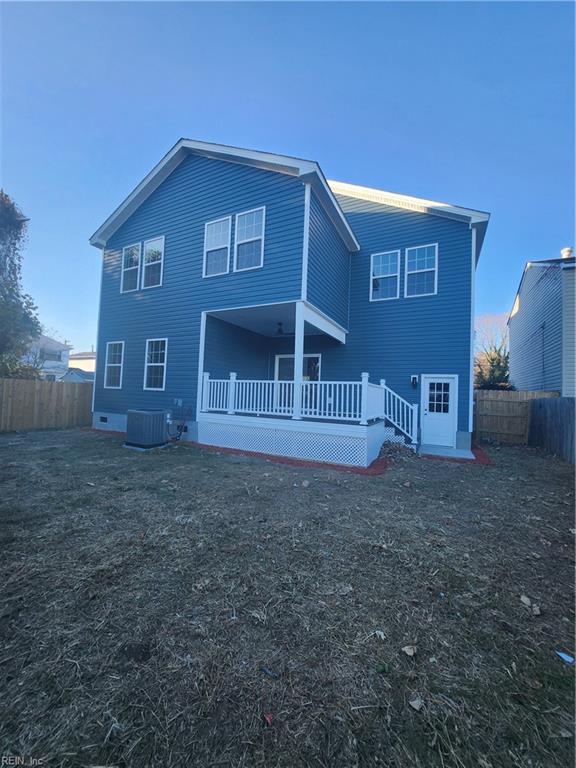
(358, 401)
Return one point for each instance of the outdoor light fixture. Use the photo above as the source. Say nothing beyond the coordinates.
(414, 381)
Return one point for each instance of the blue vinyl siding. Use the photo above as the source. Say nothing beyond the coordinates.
(198, 190)
(536, 330)
(401, 337)
(328, 266)
(231, 348)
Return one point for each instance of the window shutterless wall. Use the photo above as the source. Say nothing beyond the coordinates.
(198, 191)
(396, 338)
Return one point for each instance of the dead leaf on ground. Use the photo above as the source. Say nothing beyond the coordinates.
(409, 650)
(416, 703)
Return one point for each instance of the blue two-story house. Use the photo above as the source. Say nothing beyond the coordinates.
(270, 310)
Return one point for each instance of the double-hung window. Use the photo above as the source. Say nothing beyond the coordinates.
(385, 276)
(421, 277)
(153, 262)
(130, 268)
(249, 240)
(155, 363)
(217, 247)
(114, 364)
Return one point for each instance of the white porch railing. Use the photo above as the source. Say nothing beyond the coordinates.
(358, 401)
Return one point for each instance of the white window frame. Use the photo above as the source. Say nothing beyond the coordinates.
(165, 365)
(284, 357)
(398, 253)
(416, 271)
(150, 240)
(249, 239)
(114, 365)
(207, 250)
(131, 290)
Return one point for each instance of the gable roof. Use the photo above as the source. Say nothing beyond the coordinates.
(306, 170)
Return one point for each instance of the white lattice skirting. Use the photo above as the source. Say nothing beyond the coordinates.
(333, 443)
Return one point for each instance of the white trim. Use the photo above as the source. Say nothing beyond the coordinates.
(409, 202)
(416, 271)
(164, 364)
(151, 240)
(290, 425)
(312, 315)
(249, 239)
(201, 344)
(472, 333)
(305, 242)
(453, 399)
(279, 163)
(323, 323)
(207, 250)
(113, 365)
(122, 270)
(398, 253)
(308, 354)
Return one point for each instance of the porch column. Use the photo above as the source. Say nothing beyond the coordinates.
(298, 360)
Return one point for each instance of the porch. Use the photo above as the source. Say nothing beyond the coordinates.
(288, 408)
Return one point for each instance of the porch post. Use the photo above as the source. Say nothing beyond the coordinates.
(298, 361)
(205, 390)
(364, 411)
(383, 385)
(232, 393)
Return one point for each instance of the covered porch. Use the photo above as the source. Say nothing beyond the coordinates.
(263, 386)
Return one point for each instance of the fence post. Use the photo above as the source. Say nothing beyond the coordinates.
(205, 390)
(232, 393)
(364, 401)
(383, 385)
(414, 430)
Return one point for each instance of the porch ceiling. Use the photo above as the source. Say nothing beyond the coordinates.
(265, 319)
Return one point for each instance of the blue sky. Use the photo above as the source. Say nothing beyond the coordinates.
(470, 103)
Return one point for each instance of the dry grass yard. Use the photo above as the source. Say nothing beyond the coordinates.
(185, 608)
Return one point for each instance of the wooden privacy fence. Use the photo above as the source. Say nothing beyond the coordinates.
(32, 404)
(504, 416)
(552, 426)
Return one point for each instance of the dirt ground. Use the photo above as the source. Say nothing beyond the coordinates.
(187, 608)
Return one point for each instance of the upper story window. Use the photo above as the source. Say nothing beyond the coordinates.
(249, 240)
(153, 262)
(155, 363)
(114, 364)
(217, 247)
(421, 277)
(50, 356)
(130, 268)
(385, 276)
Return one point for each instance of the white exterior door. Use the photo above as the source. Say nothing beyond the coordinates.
(439, 409)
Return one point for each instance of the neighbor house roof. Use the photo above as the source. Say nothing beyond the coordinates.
(306, 170)
(77, 374)
(563, 263)
(83, 356)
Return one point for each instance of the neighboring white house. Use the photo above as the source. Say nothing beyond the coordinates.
(50, 355)
(541, 327)
(85, 361)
